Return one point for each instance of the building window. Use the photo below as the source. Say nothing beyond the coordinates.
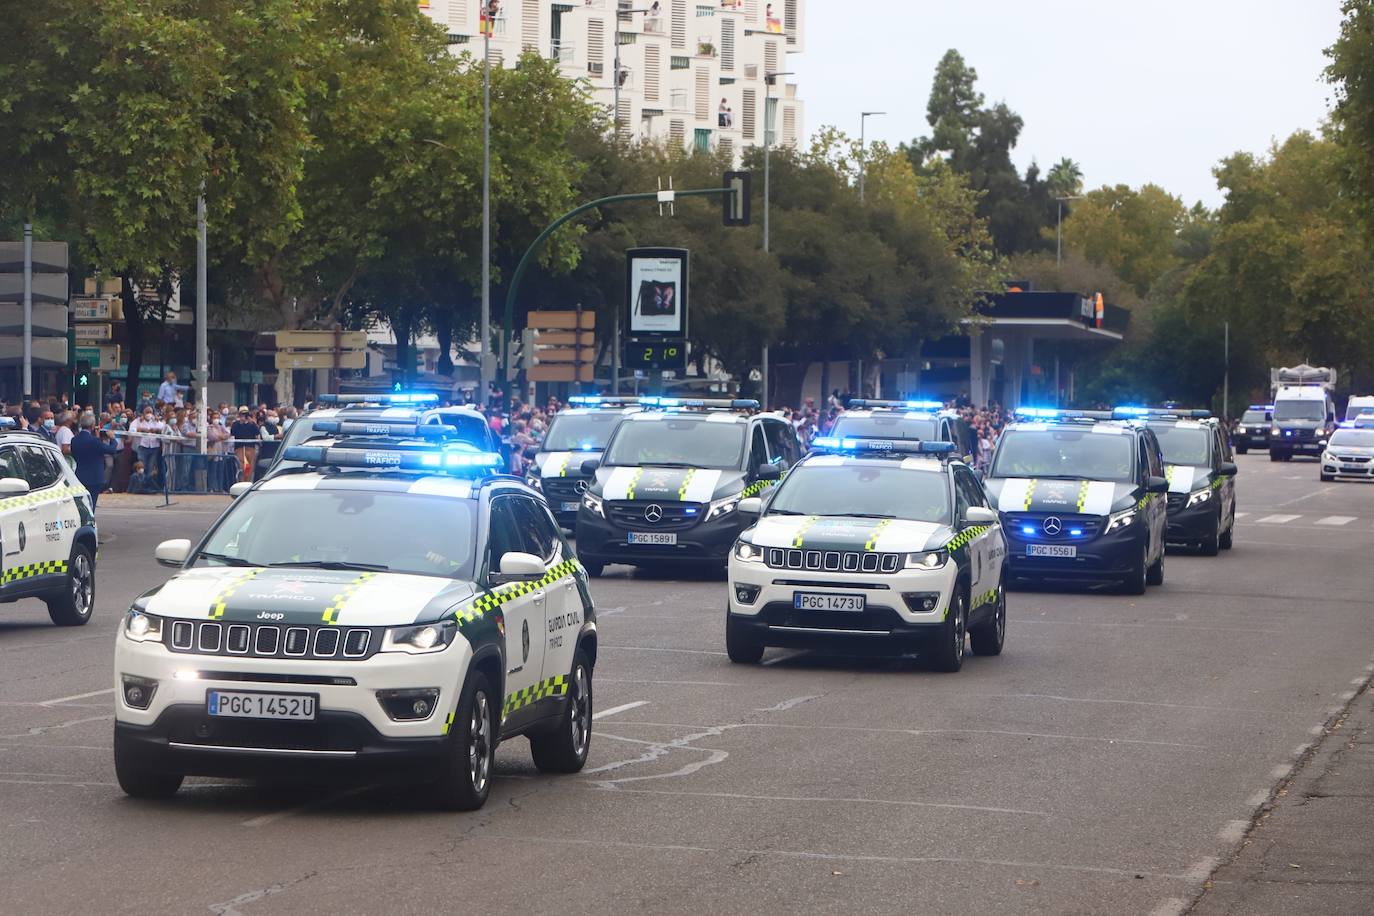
(701, 140)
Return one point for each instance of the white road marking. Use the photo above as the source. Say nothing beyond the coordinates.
(77, 696)
(837, 800)
(1336, 520)
(786, 704)
(1174, 906)
(74, 784)
(1233, 832)
(641, 680)
(1257, 799)
(1301, 499)
(1051, 696)
(1241, 514)
(621, 708)
(1278, 519)
(661, 649)
(1281, 771)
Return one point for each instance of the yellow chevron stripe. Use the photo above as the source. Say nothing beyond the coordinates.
(805, 526)
(877, 530)
(686, 479)
(218, 605)
(1030, 493)
(331, 612)
(1082, 494)
(634, 480)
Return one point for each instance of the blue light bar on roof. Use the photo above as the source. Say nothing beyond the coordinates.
(858, 444)
(1132, 411)
(907, 405)
(8, 423)
(721, 403)
(406, 428)
(1122, 412)
(401, 398)
(386, 455)
(1041, 412)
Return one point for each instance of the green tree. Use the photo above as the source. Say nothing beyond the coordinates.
(1351, 72)
(1135, 233)
(1065, 178)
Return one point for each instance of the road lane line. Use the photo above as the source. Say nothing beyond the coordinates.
(1300, 499)
(1064, 699)
(1174, 906)
(787, 704)
(1278, 519)
(77, 696)
(903, 803)
(621, 708)
(1233, 831)
(640, 680)
(1336, 520)
(1241, 514)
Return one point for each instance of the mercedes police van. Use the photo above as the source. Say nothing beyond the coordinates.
(1202, 476)
(577, 434)
(1304, 417)
(387, 610)
(668, 487)
(47, 528)
(925, 421)
(1082, 498)
(870, 544)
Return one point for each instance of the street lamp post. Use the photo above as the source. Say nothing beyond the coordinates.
(863, 158)
(768, 80)
(1058, 225)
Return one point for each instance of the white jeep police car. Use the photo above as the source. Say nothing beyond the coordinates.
(391, 608)
(47, 528)
(870, 544)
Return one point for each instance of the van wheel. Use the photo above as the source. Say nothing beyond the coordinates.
(563, 748)
(465, 781)
(1228, 536)
(1135, 582)
(71, 607)
(1154, 575)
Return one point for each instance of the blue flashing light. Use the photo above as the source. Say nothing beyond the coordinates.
(825, 442)
(1027, 530)
(586, 447)
(585, 399)
(689, 512)
(414, 398)
(926, 405)
(1047, 413)
(1132, 411)
(8, 423)
(1076, 532)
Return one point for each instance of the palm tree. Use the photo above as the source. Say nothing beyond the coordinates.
(1065, 178)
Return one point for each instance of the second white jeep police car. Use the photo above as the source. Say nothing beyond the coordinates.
(871, 544)
(390, 607)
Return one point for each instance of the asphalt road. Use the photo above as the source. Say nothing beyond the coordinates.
(1107, 762)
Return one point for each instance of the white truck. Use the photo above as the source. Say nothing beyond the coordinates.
(1304, 414)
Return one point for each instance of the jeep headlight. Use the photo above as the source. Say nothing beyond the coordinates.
(722, 507)
(748, 553)
(1240, 429)
(1120, 520)
(420, 638)
(592, 504)
(927, 559)
(1198, 497)
(141, 627)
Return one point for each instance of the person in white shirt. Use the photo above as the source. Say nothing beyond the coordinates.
(149, 447)
(64, 433)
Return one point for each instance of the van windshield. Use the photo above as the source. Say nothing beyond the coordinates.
(1300, 410)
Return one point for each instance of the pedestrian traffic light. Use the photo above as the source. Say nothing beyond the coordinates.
(81, 383)
(736, 205)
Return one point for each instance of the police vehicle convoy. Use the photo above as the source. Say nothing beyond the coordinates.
(1350, 451)
(47, 528)
(926, 421)
(1202, 477)
(1081, 497)
(870, 545)
(390, 609)
(1253, 429)
(668, 487)
(577, 434)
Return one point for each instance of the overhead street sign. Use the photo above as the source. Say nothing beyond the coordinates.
(95, 332)
(96, 308)
(103, 358)
(321, 340)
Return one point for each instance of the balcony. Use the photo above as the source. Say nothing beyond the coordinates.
(705, 48)
(563, 51)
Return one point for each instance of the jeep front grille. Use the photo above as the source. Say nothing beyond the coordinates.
(267, 640)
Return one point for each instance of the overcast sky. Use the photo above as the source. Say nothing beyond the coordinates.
(1135, 92)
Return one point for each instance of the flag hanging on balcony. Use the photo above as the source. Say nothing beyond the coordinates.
(490, 10)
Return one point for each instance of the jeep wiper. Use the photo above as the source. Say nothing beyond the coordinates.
(223, 558)
(331, 564)
(864, 515)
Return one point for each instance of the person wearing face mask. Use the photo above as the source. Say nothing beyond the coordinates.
(47, 426)
(148, 445)
(217, 436)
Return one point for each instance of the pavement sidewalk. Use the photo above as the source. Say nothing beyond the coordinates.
(1312, 850)
(199, 501)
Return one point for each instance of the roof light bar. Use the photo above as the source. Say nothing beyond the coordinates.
(401, 398)
(8, 423)
(392, 428)
(392, 455)
(1058, 413)
(705, 403)
(855, 444)
(602, 400)
(1260, 407)
(1124, 412)
(907, 405)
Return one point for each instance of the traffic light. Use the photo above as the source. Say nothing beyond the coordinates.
(736, 208)
(529, 343)
(81, 383)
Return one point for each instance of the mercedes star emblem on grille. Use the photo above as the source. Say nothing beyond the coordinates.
(653, 513)
(580, 487)
(1052, 525)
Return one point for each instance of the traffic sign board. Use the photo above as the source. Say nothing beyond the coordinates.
(102, 357)
(321, 340)
(562, 319)
(320, 359)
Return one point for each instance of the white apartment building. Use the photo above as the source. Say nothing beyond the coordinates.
(691, 71)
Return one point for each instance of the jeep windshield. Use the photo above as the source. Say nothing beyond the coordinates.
(346, 529)
(872, 490)
(889, 426)
(581, 432)
(1068, 454)
(688, 442)
(1183, 445)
